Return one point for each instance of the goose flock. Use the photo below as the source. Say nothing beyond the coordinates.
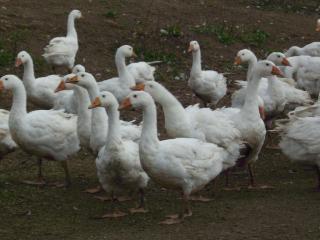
(204, 142)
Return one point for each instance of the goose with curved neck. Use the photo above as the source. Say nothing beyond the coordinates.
(120, 87)
(181, 164)
(99, 119)
(82, 99)
(247, 119)
(119, 158)
(44, 133)
(40, 90)
(62, 51)
(192, 122)
(209, 86)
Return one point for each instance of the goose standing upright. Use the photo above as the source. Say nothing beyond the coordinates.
(47, 134)
(120, 87)
(61, 51)
(118, 163)
(181, 164)
(210, 86)
(247, 118)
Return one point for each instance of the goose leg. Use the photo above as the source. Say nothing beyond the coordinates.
(94, 190)
(252, 184)
(141, 206)
(40, 181)
(115, 212)
(67, 181)
(185, 212)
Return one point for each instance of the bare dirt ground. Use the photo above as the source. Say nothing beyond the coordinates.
(289, 211)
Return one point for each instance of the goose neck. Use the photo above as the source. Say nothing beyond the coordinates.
(196, 62)
(124, 75)
(252, 61)
(113, 124)
(71, 30)
(149, 134)
(250, 107)
(28, 74)
(19, 105)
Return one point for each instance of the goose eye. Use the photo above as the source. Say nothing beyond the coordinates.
(22, 55)
(6, 79)
(135, 96)
(103, 96)
(267, 64)
(279, 56)
(242, 54)
(82, 75)
(151, 86)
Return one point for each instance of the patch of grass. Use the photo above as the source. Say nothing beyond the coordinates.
(255, 38)
(111, 14)
(150, 55)
(229, 35)
(225, 34)
(6, 56)
(171, 31)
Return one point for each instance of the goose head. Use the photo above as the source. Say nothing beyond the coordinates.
(78, 68)
(136, 99)
(22, 58)
(194, 46)
(82, 79)
(265, 68)
(105, 99)
(155, 89)
(76, 14)
(9, 82)
(318, 25)
(244, 56)
(278, 58)
(63, 85)
(126, 51)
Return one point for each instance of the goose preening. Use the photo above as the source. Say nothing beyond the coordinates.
(118, 163)
(182, 164)
(247, 118)
(61, 51)
(311, 49)
(46, 134)
(120, 87)
(210, 86)
(7, 145)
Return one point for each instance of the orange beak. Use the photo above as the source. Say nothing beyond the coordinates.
(138, 87)
(190, 48)
(96, 103)
(1, 86)
(18, 62)
(237, 60)
(61, 87)
(285, 62)
(73, 80)
(262, 113)
(276, 71)
(125, 104)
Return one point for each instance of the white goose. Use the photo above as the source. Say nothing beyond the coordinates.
(209, 86)
(300, 140)
(99, 119)
(7, 145)
(47, 134)
(81, 97)
(118, 163)
(280, 91)
(62, 51)
(181, 164)
(311, 49)
(120, 87)
(193, 122)
(40, 90)
(247, 118)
